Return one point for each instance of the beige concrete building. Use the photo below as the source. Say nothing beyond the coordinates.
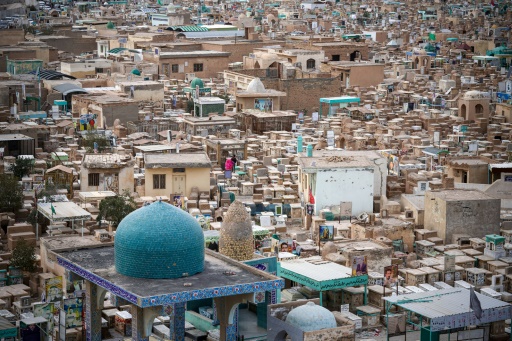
(202, 64)
(358, 74)
(176, 174)
(107, 172)
(143, 90)
(305, 60)
(85, 68)
(259, 98)
(473, 105)
(504, 109)
(107, 107)
(461, 212)
(468, 170)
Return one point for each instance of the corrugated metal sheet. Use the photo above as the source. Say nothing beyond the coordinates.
(64, 211)
(189, 28)
(324, 271)
(213, 34)
(444, 302)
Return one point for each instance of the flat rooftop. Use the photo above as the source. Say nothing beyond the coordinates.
(98, 266)
(105, 161)
(461, 194)
(199, 53)
(181, 160)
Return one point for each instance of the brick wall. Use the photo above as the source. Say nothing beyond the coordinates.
(304, 93)
(18, 54)
(12, 37)
(75, 45)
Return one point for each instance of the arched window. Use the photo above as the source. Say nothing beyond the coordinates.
(310, 64)
(479, 109)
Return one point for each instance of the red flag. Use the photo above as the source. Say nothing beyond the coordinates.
(311, 197)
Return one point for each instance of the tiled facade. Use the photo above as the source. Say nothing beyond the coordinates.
(155, 233)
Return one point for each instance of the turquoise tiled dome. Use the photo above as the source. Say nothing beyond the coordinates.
(309, 317)
(159, 241)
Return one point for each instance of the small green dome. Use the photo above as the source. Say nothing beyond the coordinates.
(110, 25)
(159, 241)
(136, 72)
(197, 82)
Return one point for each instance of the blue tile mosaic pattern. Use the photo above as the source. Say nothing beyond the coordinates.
(159, 241)
(161, 300)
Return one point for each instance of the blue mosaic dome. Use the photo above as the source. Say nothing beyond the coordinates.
(310, 317)
(159, 241)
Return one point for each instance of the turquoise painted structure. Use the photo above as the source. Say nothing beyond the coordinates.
(336, 100)
(310, 317)
(159, 241)
(19, 67)
(299, 144)
(325, 285)
(310, 150)
(197, 82)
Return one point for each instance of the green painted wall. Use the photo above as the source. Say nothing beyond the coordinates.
(199, 321)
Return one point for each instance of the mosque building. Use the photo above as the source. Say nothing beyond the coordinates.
(158, 260)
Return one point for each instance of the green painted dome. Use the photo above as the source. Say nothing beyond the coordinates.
(136, 72)
(110, 25)
(159, 241)
(197, 82)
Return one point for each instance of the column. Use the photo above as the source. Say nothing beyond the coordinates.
(177, 321)
(232, 329)
(138, 325)
(92, 312)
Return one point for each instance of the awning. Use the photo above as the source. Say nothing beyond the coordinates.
(121, 49)
(64, 211)
(50, 74)
(450, 308)
(67, 88)
(187, 28)
(343, 99)
(505, 165)
(94, 196)
(7, 329)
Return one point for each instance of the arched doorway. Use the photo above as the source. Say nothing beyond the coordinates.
(463, 111)
(479, 109)
(354, 55)
(281, 336)
(257, 65)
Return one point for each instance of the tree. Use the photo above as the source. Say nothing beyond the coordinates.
(90, 138)
(11, 193)
(21, 167)
(114, 209)
(24, 256)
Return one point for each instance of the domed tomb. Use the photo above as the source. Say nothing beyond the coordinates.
(159, 241)
(256, 86)
(197, 82)
(236, 239)
(310, 317)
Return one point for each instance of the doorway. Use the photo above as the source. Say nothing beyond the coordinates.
(178, 183)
